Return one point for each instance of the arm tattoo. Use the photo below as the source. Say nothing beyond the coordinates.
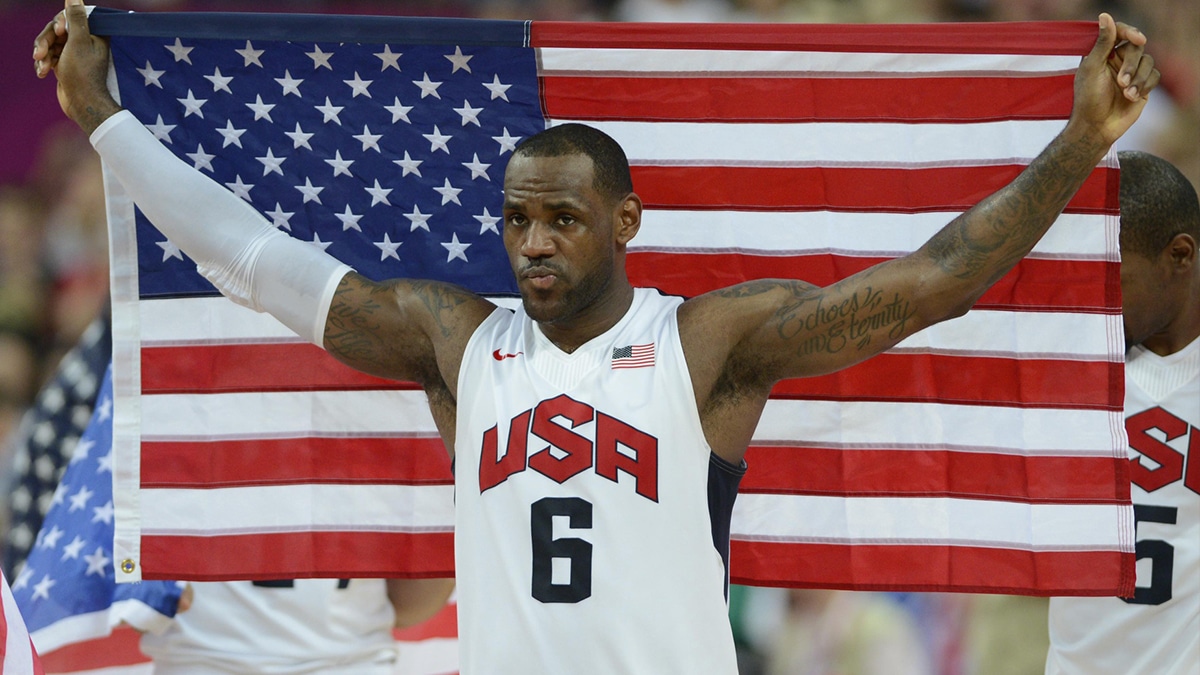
(440, 299)
(986, 241)
(830, 328)
(352, 328)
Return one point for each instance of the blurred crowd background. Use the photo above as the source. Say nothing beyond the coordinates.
(54, 283)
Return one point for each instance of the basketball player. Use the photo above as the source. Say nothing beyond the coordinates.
(593, 499)
(293, 627)
(1157, 631)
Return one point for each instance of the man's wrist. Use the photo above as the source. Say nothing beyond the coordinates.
(92, 114)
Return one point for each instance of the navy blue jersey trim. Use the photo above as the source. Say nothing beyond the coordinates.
(723, 481)
(310, 27)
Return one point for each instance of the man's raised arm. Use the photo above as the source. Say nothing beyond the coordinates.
(785, 328)
(402, 329)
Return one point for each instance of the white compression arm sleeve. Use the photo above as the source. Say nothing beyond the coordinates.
(233, 245)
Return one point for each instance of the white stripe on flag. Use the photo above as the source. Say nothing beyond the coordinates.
(742, 63)
(921, 520)
(1073, 237)
(286, 415)
(1049, 432)
(874, 144)
(216, 320)
(371, 508)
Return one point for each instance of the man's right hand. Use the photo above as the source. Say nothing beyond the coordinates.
(79, 61)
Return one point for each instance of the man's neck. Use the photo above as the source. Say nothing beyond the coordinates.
(602, 315)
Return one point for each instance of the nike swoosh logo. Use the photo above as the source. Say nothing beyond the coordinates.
(500, 357)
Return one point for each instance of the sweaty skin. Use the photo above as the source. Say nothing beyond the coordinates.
(567, 243)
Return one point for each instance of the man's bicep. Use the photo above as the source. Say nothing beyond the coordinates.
(392, 329)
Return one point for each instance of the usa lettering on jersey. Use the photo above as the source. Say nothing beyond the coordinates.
(577, 453)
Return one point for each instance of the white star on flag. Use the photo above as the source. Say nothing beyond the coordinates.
(340, 166)
(456, 249)
(161, 131)
(220, 82)
(349, 219)
(487, 222)
(379, 194)
(389, 58)
(180, 52)
(469, 115)
(358, 86)
(497, 89)
(290, 85)
(448, 192)
(201, 159)
(408, 164)
(428, 87)
(250, 55)
(151, 75)
(231, 135)
(387, 248)
(299, 138)
(191, 105)
(261, 110)
(271, 163)
(279, 217)
(319, 58)
(458, 60)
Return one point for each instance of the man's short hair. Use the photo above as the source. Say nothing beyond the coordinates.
(612, 178)
(1157, 203)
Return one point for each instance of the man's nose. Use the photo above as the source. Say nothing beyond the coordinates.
(537, 242)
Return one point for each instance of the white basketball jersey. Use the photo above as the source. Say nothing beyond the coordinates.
(584, 539)
(1158, 632)
(326, 626)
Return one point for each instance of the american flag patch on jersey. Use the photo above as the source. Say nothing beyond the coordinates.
(633, 356)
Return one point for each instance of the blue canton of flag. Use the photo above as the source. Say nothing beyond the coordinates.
(67, 589)
(388, 156)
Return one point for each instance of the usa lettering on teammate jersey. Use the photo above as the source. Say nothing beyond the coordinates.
(984, 454)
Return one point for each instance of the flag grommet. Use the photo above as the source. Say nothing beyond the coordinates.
(127, 566)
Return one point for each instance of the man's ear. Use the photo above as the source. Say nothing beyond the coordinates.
(1182, 251)
(629, 218)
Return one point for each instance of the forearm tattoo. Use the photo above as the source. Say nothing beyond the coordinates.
(986, 241)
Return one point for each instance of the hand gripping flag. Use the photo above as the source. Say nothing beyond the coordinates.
(67, 588)
(985, 454)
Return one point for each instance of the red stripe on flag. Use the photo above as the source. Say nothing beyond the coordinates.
(1055, 38)
(931, 568)
(117, 650)
(897, 377)
(1050, 285)
(930, 473)
(857, 189)
(287, 366)
(800, 99)
(288, 461)
(299, 555)
(1036, 383)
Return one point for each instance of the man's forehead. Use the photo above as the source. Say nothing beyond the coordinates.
(559, 173)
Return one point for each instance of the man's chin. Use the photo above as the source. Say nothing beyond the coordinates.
(542, 310)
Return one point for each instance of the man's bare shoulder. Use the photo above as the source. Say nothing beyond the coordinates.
(412, 329)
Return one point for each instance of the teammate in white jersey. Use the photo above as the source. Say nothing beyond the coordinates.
(293, 627)
(575, 505)
(1157, 631)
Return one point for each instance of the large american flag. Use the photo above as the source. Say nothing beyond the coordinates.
(985, 454)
